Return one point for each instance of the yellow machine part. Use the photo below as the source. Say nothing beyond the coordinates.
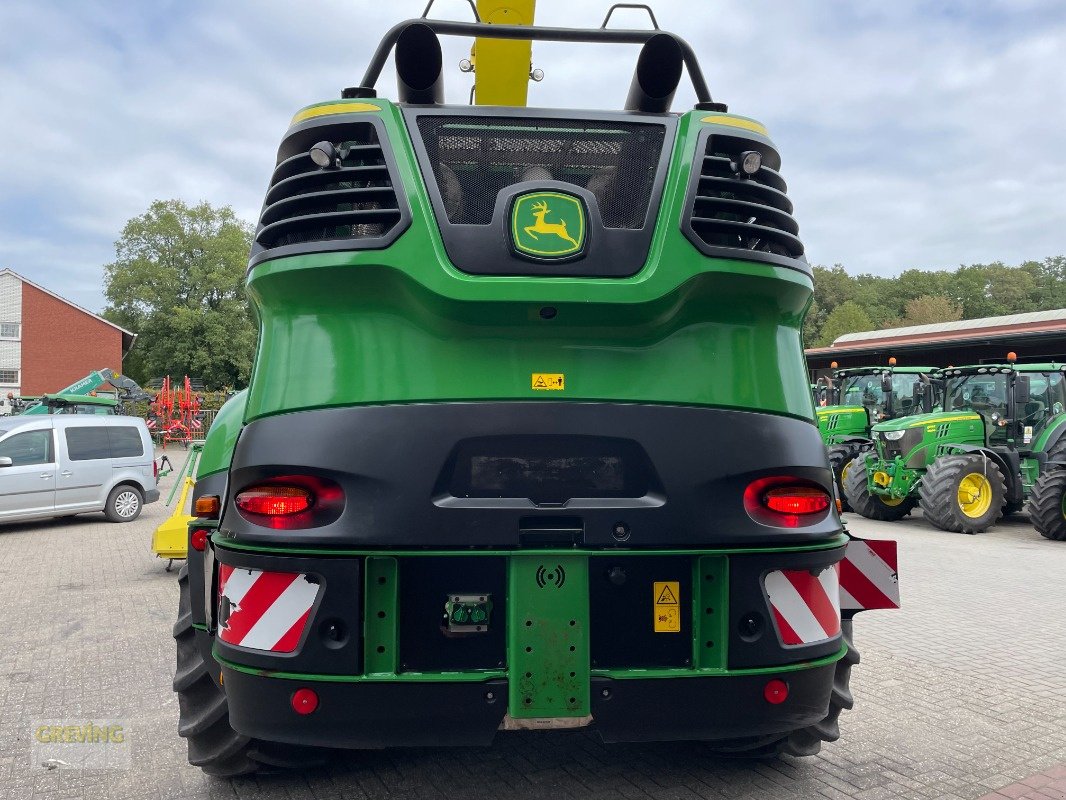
(171, 539)
(501, 66)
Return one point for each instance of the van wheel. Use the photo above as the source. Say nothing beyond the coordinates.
(124, 503)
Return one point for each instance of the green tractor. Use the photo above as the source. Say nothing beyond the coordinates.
(975, 459)
(857, 398)
(528, 442)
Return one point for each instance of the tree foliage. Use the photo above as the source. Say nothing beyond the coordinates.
(917, 297)
(177, 281)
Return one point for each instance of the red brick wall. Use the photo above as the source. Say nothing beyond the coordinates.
(61, 344)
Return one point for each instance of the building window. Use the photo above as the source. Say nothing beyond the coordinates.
(9, 330)
(9, 376)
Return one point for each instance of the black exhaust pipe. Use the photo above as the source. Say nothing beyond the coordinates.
(419, 66)
(657, 74)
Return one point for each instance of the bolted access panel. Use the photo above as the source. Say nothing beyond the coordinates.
(548, 641)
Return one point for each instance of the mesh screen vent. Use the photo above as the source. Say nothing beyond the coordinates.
(474, 158)
(308, 204)
(744, 214)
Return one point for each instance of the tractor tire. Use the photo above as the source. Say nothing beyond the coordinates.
(805, 741)
(203, 712)
(840, 458)
(949, 480)
(872, 506)
(1012, 508)
(1046, 508)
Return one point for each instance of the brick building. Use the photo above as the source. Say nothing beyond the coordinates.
(48, 343)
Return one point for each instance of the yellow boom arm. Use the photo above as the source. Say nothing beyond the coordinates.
(501, 67)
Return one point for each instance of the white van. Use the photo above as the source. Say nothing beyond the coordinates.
(61, 465)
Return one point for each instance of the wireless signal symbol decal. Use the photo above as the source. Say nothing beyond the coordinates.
(556, 576)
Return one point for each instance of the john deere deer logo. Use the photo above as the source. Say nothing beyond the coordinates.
(548, 224)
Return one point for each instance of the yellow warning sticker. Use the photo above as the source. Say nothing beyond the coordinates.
(667, 608)
(548, 381)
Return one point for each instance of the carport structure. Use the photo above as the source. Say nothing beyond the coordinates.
(1037, 336)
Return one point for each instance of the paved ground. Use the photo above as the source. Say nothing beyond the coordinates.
(960, 694)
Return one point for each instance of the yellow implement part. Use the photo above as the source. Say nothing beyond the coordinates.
(171, 539)
(501, 66)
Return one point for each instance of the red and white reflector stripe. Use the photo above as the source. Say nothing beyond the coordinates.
(868, 577)
(263, 610)
(806, 607)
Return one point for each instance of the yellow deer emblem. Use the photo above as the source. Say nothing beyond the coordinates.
(540, 210)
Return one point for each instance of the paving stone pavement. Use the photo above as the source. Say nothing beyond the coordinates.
(959, 694)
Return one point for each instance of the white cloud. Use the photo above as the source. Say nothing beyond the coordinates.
(918, 133)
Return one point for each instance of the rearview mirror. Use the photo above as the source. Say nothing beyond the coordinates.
(1021, 390)
(5, 461)
(886, 383)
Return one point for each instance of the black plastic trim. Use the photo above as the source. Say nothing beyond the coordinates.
(295, 146)
(486, 249)
(390, 462)
(776, 204)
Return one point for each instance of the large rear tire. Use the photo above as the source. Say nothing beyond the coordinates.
(841, 457)
(805, 741)
(203, 712)
(1046, 508)
(963, 494)
(872, 506)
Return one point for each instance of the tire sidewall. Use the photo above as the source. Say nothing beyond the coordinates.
(112, 511)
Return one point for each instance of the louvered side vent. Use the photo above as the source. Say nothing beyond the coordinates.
(350, 206)
(751, 215)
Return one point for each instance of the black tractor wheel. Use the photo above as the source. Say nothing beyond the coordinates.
(203, 713)
(963, 494)
(805, 741)
(841, 457)
(1046, 509)
(872, 506)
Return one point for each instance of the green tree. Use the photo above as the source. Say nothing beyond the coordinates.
(930, 309)
(848, 317)
(177, 281)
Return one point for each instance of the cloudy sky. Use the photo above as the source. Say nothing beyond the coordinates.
(914, 133)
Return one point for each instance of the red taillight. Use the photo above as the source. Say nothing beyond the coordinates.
(775, 692)
(304, 701)
(155, 469)
(796, 500)
(198, 539)
(274, 501)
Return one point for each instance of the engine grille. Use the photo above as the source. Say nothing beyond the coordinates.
(742, 214)
(473, 158)
(307, 204)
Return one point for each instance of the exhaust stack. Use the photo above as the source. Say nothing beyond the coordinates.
(419, 66)
(657, 74)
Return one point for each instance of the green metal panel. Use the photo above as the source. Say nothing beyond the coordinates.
(547, 636)
(222, 437)
(710, 612)
(403, 325)
(381, 625)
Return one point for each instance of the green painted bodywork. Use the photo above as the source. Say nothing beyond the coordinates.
(439, 334)
(222, 438)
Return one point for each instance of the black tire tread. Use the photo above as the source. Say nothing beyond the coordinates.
(805, 741)
(839, 456)
(1045, 505)
(938, 496)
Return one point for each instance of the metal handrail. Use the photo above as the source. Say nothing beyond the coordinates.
(536, 34)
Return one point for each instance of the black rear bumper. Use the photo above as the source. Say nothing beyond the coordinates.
(501, 473)
(369, 715)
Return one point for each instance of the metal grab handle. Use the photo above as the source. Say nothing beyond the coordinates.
(46, 475)
(532, 33)
(66, 473)
(654, 22)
